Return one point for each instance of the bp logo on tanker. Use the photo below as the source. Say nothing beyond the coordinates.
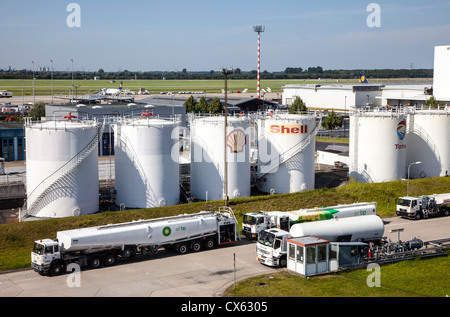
(401, 129)
(166, 231)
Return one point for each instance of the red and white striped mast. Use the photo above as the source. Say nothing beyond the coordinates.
(258, 29)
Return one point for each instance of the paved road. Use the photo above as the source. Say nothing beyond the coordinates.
(203, 274)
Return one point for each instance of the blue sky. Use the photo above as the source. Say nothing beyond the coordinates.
(206, 35)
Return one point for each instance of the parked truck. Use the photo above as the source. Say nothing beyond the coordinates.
(253, 223)
(413, 207)
(271, 247)
(104, 245)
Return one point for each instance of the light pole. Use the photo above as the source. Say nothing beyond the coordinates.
(51, 61)
(407, 186)
(34, 98)
(226, 72)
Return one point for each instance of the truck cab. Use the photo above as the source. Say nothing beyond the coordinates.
(253, 223)
(271, 247)
(44, 253)
(407, 207)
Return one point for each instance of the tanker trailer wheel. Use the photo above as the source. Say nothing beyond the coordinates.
(182, 248)
(95, 262)
(196, 246)
(110, 259)
(210, 243)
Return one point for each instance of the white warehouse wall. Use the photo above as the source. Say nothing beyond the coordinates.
(441, 78)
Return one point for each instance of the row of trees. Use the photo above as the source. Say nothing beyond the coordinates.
(288, 73)
(330, 122)
(203, 105)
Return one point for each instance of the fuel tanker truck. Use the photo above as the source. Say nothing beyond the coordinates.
(271, 247)
(253, 223)
(104, 245)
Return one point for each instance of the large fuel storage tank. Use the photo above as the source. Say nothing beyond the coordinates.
(428, 142)
(208, 157)
(377, 146)
(62, 168)
(147, 162)
(286, 153)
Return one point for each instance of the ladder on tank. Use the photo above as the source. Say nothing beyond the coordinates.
(53, 181)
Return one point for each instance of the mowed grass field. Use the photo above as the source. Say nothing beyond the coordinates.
(44, 86)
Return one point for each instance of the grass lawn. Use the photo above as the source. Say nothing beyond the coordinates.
(428, 277)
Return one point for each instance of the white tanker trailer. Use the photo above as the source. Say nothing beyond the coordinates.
(271, 248)
(95, 246)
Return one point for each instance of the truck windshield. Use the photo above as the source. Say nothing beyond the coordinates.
(266, 238)
(38, 248)
(249, 220)
(403, 202)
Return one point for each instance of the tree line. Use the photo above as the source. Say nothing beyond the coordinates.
(288, 73)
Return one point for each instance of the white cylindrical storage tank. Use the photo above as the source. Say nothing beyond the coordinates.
(208, 157)
(377, 146)
(147, 162)
(62, 168)
(429, 143)
(342, 229)
(286, 153)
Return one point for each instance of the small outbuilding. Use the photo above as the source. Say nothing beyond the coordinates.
(309, 255)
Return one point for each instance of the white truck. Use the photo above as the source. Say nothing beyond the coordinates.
(253, 223)
(104, 245)
(271, 247)
(412, 207)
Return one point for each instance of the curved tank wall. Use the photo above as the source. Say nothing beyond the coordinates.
(377, 146)
(429, 142)
(55, 155)
(286, 153)
(207, 157)
(146, 163)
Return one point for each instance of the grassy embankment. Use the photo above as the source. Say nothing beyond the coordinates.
(16, 239)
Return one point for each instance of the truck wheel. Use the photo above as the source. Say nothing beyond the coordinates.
(210, 243)
(196, 246)
(283, 262)
(95, 262)
(182, 248)
(110, 260)
(418, 216)
(56, 269)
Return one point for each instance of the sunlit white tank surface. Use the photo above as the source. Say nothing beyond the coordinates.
(208, 157)
(377, 146)
(286, 153)
(428, 142)
(62, 168)
(342, 229)
(147, 162)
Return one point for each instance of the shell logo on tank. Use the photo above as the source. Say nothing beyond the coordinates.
(401, 129)
(288, 128)
(166, 231)
(236, 141)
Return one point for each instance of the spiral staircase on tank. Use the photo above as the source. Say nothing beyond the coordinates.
(58, 177)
